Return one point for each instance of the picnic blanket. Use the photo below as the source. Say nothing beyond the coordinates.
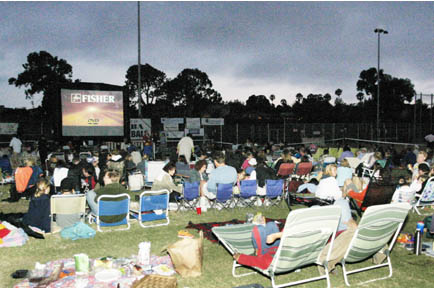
(207, 232)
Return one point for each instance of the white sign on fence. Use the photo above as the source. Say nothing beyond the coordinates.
(138, 127)
(192, 123)
(175, 134)
(213, 121)
(8, 128)
(172, 120)
(195, 131)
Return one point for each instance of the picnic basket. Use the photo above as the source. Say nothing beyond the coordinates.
(155, 281)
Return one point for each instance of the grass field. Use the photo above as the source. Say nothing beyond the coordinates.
(409, 270)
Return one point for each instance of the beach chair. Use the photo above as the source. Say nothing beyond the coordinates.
(223, 196)
(109, 206)
(305, 234)
(66, 210)
(426, 198)
(153, 206)
(378, 229)
(274, 192)
(190, 196)
(247, 196)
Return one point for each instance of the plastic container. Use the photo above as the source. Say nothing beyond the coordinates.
(144, 255)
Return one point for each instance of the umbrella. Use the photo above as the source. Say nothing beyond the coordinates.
(429, 138)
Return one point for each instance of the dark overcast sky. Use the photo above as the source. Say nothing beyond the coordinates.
(246, 48)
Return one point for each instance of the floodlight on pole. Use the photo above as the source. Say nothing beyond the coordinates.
(378, 31)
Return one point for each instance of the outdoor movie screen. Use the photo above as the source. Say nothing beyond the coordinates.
(92, 113)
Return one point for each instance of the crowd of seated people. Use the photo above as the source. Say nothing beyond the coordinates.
(333, 176)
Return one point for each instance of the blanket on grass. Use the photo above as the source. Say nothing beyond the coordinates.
(207, 232)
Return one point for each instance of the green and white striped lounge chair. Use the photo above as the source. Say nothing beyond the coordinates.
(305, 234)
(378, 229)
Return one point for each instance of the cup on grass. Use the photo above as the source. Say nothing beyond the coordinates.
(198, 210)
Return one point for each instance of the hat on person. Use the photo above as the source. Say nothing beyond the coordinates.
(252, 162)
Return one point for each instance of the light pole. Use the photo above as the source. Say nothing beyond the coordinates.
(139, 78)
(378, 31)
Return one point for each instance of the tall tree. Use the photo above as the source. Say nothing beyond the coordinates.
(152, 80)
(393, 92)
(193, 89)
(42, 74)
(283, 102)
(338, 92)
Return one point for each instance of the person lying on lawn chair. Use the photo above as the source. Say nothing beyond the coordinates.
(266, 240)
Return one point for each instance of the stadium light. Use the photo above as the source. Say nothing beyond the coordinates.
(378, 31)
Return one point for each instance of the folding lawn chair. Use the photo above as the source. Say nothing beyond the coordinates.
(305, 235)
(223, 196)
(378, 229)
(303, 169)
(285, 170)
(274, 191)
(190, 196)
(426, 198)
(66, 210)
(247, 196)
(154, 205)
(109, 206)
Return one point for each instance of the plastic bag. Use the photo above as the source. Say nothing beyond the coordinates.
(78, 231)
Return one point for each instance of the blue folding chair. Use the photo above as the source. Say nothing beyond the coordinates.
(223, 196)
(109, 205)
(274, 191)
(154, 205)
(247, 196)
(190, 196)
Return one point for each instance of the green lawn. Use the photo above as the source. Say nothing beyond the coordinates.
(409, 270)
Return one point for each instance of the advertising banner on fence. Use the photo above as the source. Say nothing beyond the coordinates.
(172, 120)
(8, 128)
(195, 132)
(192, 123)
(138, 127)
(175, 134)
(213, 121)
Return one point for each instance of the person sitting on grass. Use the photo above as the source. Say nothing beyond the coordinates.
(38, 215)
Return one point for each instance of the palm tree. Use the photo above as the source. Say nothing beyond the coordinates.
(360, 96)
(299, 97)
(272, 97)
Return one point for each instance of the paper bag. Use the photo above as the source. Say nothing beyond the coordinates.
(187, 256)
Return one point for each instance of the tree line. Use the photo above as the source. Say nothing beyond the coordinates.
(191, 94)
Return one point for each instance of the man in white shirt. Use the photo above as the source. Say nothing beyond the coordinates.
(185, 147)
(16, 144)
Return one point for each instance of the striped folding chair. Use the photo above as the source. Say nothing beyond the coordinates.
(305, 235)
(378, 229)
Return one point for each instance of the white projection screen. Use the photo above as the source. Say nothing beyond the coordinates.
(92, 113)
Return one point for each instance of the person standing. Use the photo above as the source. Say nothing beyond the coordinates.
(185, 147)
(16, 145)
